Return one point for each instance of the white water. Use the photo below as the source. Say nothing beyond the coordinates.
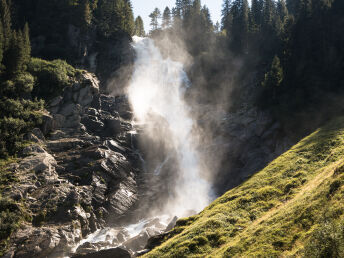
(157, 90)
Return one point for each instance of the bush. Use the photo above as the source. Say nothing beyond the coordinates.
(326, 241)
(52, 77)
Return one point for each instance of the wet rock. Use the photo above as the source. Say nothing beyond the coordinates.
(86, 248)
(137, 243)
(111, 253)
(172, 224)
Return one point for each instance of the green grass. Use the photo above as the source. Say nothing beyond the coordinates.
(292, 208)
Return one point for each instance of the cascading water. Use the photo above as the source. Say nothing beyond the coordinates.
(157, 90)
(156, 93)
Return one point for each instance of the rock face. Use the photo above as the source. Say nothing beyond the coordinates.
(83, 169)
(243, 142)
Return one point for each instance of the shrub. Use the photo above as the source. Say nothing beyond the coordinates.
(52, 77)
(326, 241)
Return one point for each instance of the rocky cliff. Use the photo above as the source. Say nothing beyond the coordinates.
(82, 172)
(80, 167)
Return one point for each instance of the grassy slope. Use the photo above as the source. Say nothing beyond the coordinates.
(293, 207)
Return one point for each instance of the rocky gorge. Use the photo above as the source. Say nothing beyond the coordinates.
(83, 179)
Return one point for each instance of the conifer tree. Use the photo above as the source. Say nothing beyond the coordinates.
(273, 78)
(128, 15)
(226, 20)
(86, 14)
(6, 22)
(26, 44)
(256, 12)
(139, 27)
(1, 44)
(282, 10)
(166, 18)
(155, 15)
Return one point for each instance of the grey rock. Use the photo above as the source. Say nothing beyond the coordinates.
(55, 101)
(70, 109)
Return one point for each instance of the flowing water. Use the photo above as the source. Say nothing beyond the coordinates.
(157, 90)
(156, 93)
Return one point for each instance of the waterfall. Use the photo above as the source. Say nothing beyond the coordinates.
(156, 93)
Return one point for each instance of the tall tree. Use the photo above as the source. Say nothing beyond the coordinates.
(166, 18)
(226, 20)
(155, 15)
(86, 14)
(257, 12)
(282, 10)
(26, 44)
(139, 27)
(5, 12)
(273, 79)
(1, 44)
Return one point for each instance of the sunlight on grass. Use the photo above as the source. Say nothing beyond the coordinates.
(283, 210)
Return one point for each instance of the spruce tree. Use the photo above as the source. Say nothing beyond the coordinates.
(139, 27)
(26, 44)
(129, 23)
(273, 78)
(282, 10)
(226, 11)
(86, 14)
(166, 18)
(1, 45)
(6, 22)
(256, 12)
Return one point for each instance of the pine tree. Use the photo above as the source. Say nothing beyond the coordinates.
(155, 15)
(240, 26)
(226, 20)
(6, 22)
(86, 14)
(273, 78)
(166, 18)
(129, 23)
(15, 55)
(282, 10)
(1, 44)
(206, 22)
(139, 27)
(256, 12)
(26, 44)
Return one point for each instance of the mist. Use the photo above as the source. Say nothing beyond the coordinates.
(156, 93)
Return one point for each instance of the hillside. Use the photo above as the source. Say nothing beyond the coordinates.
(293, 207)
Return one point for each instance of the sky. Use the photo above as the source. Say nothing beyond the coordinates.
(145, 7)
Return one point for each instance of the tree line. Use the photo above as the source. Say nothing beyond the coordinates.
(292, 47)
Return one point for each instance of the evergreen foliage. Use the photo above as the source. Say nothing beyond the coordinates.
(139, 27)
(166, 18)
(155, 15)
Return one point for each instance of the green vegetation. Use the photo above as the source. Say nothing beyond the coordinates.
(52, 22)
(51, 77)
(289, 54)
(293, 207)
(12, 214)
(139, 27)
